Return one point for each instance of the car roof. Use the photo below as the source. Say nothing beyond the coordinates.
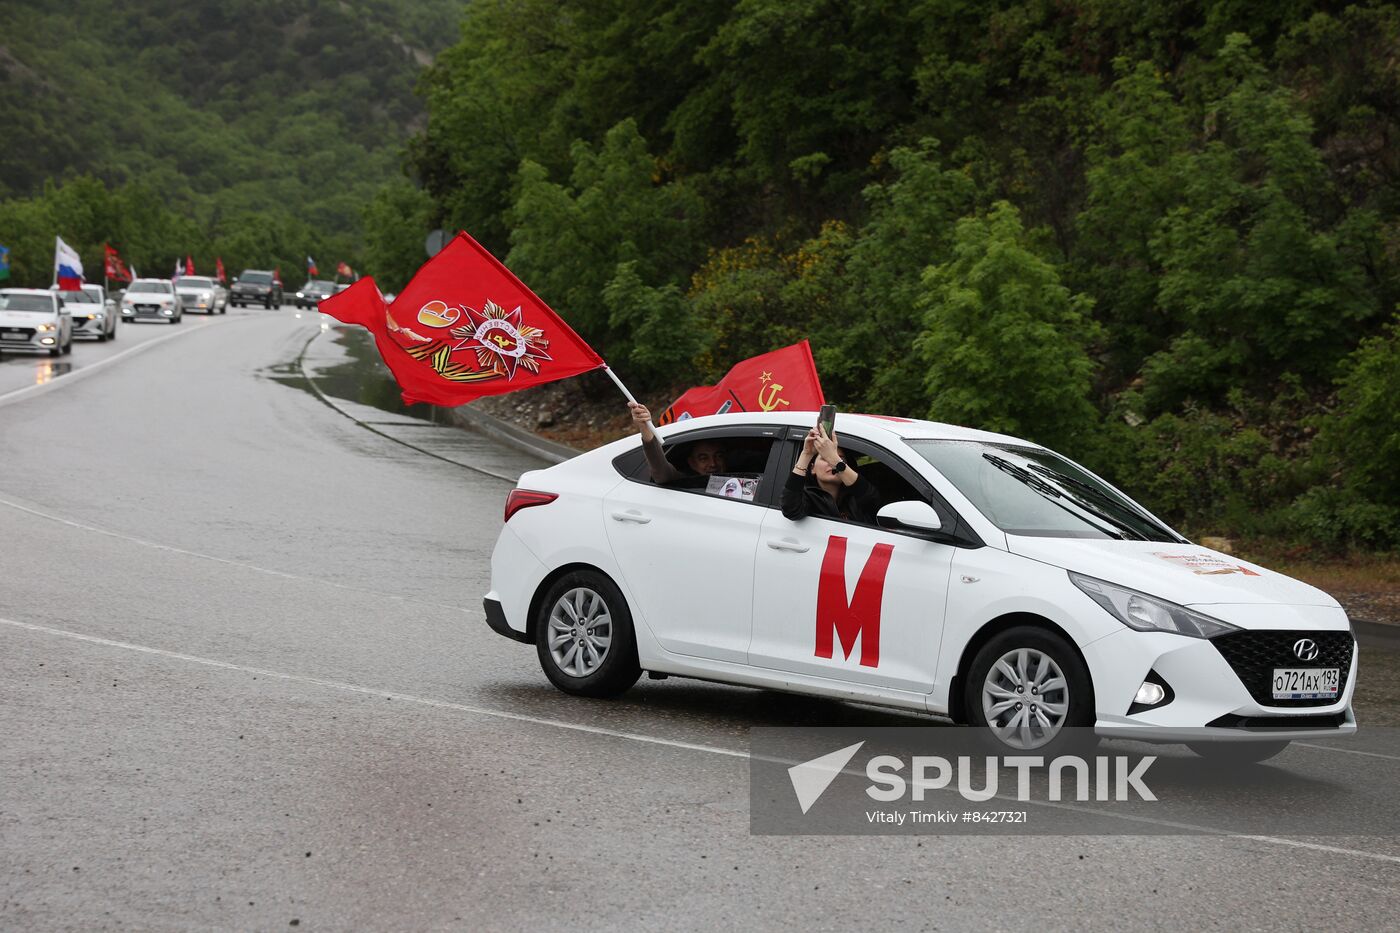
(146, 278)
(26, 291)
(870, 426)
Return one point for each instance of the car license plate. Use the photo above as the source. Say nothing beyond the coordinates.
(13, 333)
(1316, 683)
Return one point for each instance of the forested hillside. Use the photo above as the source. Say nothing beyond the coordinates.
(256, 130)
(1160, 235)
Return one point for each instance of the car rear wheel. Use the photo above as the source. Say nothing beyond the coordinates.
(1027, 686)
(584, 636)
(1237, 753)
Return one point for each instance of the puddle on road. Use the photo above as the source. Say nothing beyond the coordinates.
(360, 377)
(45, 369)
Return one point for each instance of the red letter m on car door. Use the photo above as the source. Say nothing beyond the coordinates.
(860, 614)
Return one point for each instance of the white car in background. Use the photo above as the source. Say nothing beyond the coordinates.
(34, 319)
(152, 300)
(1004, 586)
(93, 313)
(200, 294)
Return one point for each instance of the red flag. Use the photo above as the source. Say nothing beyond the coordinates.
(464, 327)
(782, 380)
(345, 270)
(219, 269)
(189, 265)
(277, 274)
(113, 267)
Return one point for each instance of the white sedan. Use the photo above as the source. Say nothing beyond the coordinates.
(1002, 585)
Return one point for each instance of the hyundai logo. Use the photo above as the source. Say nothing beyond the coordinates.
(1305, 649)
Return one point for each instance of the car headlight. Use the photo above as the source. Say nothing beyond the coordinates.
(46, 328)
(300, 295)
(1145, 613)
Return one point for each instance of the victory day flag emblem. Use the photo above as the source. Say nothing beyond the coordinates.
(463, 328)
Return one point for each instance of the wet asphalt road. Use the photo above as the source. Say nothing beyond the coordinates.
(245, 683)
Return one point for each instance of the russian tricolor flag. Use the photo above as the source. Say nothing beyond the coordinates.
(67, 267)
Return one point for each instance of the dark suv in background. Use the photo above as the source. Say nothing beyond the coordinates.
(255, 287)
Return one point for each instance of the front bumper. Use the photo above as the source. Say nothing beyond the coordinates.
(1210, 701)
(31, 340)
(148, 312)
(83, 327)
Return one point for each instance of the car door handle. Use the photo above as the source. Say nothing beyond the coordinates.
(631, 515)
(788, 544)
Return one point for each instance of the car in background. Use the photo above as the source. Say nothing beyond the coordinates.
(152, 300)
(314, 292)
(34, 319)
(199, 293)
(256, 287)
(93, 313)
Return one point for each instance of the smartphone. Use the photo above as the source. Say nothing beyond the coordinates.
(826, 420)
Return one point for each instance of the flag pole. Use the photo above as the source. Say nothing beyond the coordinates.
(618, 382)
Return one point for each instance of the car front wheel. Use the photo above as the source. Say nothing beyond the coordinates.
(1027, 686)
(584, 636)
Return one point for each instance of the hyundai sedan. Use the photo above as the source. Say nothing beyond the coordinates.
(1001, 585)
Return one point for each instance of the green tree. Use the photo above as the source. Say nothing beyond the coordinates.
(1005, 344)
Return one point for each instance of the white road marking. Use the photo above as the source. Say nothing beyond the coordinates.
(224, 560)
(1349, 751)
(628, 736)
(373, 691)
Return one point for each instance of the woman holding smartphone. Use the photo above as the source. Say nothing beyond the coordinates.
(823, 483)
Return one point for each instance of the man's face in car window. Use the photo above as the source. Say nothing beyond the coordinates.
(706, 458)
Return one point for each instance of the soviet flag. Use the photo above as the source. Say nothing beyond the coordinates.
(781, 380)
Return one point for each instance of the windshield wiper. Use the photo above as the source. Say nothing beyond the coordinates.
(1099, 496)
(1055, 495)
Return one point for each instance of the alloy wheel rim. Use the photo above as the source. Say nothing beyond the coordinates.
(1025, 698)
(580, 632)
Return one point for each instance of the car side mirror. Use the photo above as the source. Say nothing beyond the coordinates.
(911, 516)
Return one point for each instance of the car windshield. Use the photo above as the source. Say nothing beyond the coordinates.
(158, 288)
(194, 281)
(320, 285)
(1030, 491)
(256, 278)
(78, 298)
(26, 303)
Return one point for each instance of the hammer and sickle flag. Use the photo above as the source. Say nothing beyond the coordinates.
(781, 380)
(464, 327)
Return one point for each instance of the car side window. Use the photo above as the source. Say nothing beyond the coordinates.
(725, 465)
(892, 480)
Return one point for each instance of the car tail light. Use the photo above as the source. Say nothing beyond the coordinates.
(524, 498)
